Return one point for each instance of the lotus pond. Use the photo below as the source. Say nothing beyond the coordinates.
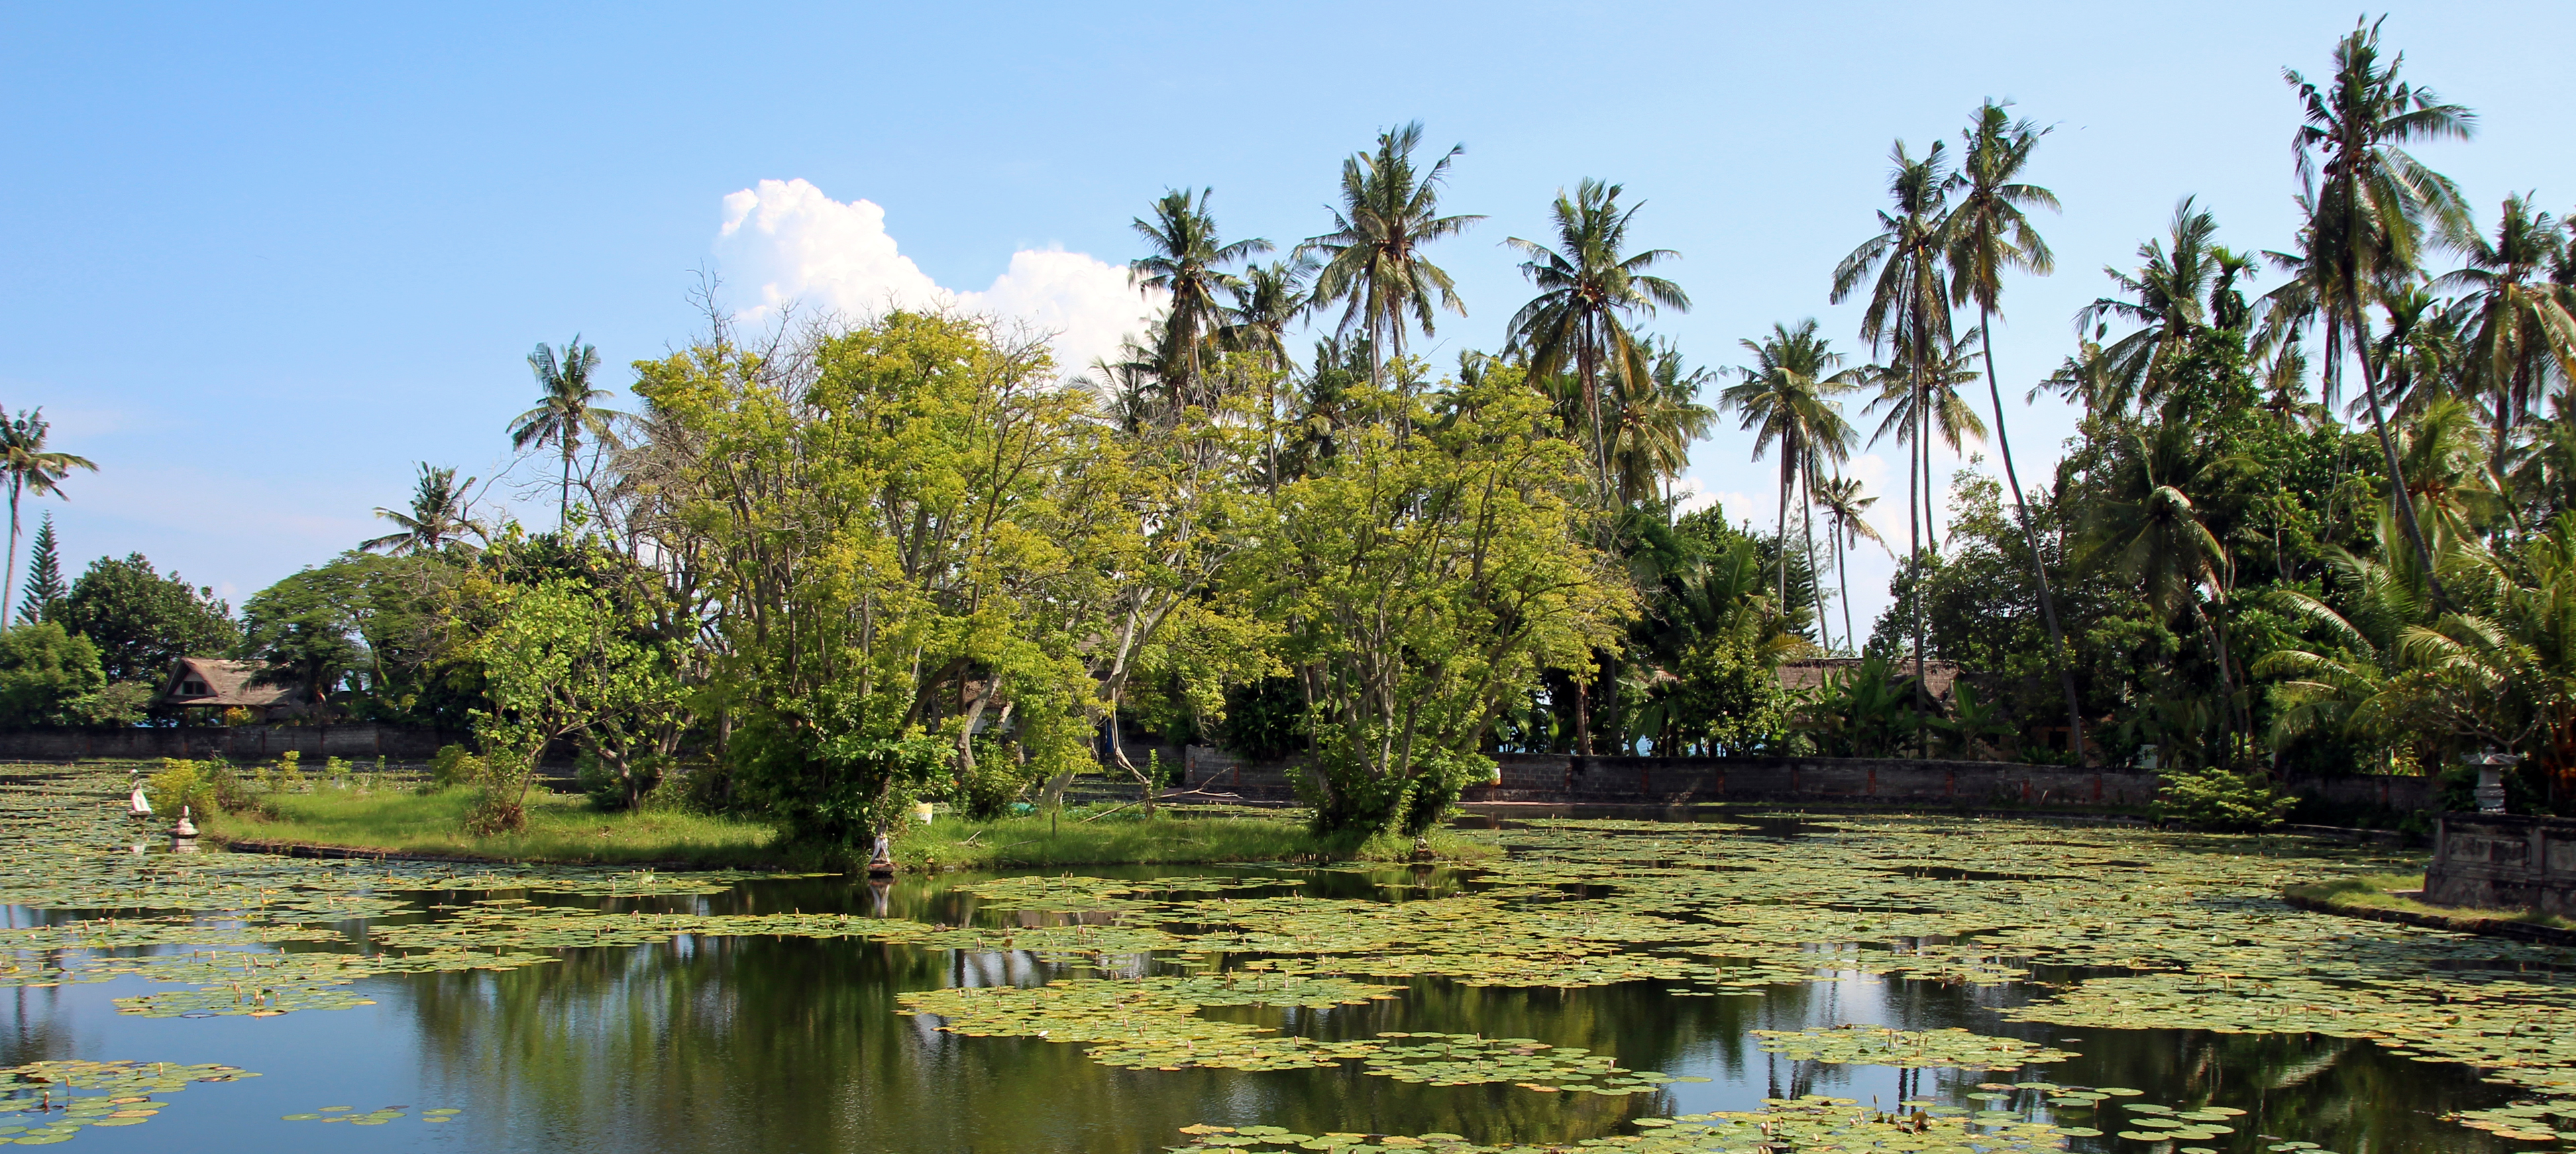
(1732, 984)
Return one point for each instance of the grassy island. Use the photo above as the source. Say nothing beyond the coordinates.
(567, 829)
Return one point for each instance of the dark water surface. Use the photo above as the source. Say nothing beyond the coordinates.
(791, 1045)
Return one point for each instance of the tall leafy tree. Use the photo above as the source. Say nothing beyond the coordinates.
(45, 584)
(2523, 333)
(1787, 397)
(1991, 233)
(1372, 260)
(30, 467)
(438, 517)
(567, 409)
(1589, 286)
(2370, 204)
(141, 619)
(1186, 258)
(1908, 312)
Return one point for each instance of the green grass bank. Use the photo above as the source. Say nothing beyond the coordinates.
(565, 829)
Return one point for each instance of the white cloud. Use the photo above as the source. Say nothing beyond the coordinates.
(797, 244)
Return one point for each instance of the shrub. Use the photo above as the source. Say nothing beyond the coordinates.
(2214, 798)
(47, 676)
(182, 783)
(455, 765)
(290, 773)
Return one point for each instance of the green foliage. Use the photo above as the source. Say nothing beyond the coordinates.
(1422, 581)
(184, 783)
(455, 766)
(45, 587)
(2212, 797)
(904, 544)
(561, 662)
(47, 676)
(141, 620)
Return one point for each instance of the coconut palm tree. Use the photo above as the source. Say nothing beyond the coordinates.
(2150, 533)
(1946, 414)
(30, 468)
(1653, 423)
(1788, 396)
(1372, 260)
(1589, 286)
(1267, 299)
(1186, 258)
(2167, 298)
(1846, 526)
(1908, 311)
(1990, 234)
(2369, 204)
(2524, 333)
(2421, 354)
(567, 409)
(439, 515)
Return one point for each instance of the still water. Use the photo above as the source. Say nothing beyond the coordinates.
(784, 1045)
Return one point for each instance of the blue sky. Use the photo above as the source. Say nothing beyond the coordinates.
(264, 258)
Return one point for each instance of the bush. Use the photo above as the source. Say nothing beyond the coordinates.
(455, 765)
(183, 783)
(44, 673)
(606, 790)
(2213, 798)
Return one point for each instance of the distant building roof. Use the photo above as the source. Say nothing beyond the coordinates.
(1810, 673)
(221, 683)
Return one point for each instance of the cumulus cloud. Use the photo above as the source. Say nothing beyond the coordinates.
(792, 242)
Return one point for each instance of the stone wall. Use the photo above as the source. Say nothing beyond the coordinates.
(1678, 780)
(239, 742)
(1565, 779)
(2503, 862)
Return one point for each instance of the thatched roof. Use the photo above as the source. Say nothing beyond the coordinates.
(1810, 673)
(221, 683)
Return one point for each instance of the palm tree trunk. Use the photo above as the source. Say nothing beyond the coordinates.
(1914, 537)
(1780, 529)
(9, 587)
(563, 505)
(2058, 656)
(1842, 575)
(1807, 536)
(2397, 493)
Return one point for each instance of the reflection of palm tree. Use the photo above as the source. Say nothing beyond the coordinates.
(1909, 310)
(2523, 328)
(1373, 256)
(567, 408)
(1588, 287)
(1185, 261)
(1788, 395)
(2368, 202)
(1846, 526)
(31, 468)
(438, 516)
(1990, 233)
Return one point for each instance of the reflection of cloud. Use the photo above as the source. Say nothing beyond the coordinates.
(795, 243)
